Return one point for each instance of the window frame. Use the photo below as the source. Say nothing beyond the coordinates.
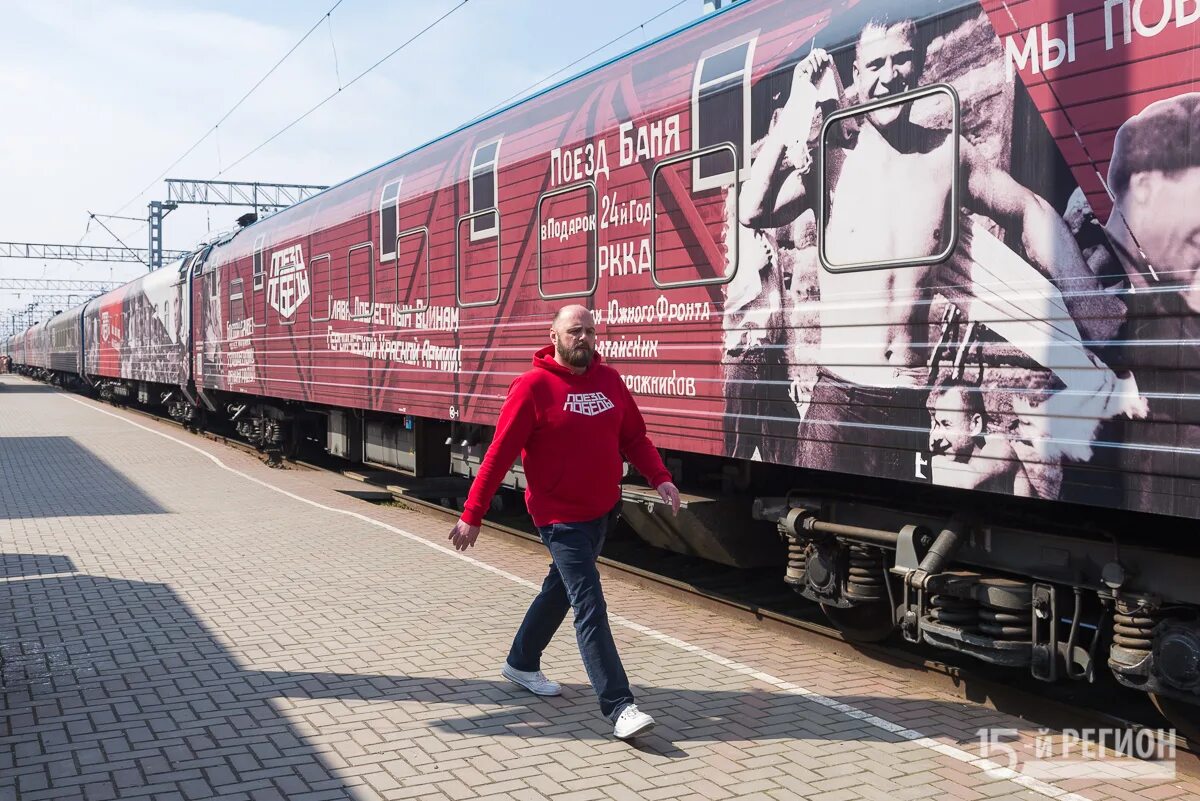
(240, 295)
(328, 259)
(371, 277)
(398, 183)
(258, 265)
(595, 233)
(911, 96)
(329, 285)
(458, 259)
(735, 247)
(487, 233)
(420, 229)
(741, 169)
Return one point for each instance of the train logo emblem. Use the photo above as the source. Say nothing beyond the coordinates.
(287, 287)
(589, 403)
(110, 329)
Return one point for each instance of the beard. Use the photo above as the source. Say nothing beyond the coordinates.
(579, 356)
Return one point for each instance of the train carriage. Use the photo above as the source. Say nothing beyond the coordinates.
(63, 332)
(906, 292)
(35, 349)
(136, 335)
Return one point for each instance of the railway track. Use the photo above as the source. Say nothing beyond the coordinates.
(760, 598)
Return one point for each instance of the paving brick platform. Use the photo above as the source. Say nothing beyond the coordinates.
(179, 621)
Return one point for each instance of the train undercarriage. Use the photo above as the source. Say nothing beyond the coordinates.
(1060, 597)
(1056, 606)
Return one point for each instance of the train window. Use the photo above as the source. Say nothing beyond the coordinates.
(690, 243)
(321, 301)
(484, 190)
(721, 111)
(847, 241)
(389, 204)
(476, 267)
(237, 308)
(568, 243)
(412, 266)
(258, 264)
(360, 275)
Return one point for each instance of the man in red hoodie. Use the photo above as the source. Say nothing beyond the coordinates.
(572, 419)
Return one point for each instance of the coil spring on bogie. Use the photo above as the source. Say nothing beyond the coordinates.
(960, 612)
(797, 551)
(1134, 630)
(1005, 624)
(865, 576)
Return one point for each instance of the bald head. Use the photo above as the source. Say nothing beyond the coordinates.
(571, 312)
(573, 333)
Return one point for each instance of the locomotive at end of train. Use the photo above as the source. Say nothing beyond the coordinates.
(908, 294)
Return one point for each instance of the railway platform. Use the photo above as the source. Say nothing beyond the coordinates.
(180, 621)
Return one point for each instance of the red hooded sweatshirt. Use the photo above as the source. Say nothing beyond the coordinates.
(571, 431)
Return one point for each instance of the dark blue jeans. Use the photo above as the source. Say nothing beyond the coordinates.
(574, 582)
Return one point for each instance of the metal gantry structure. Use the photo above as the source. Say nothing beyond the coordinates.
(58, 285)
(263, 198)
(50, 295)
(18, 319)
(33, 250)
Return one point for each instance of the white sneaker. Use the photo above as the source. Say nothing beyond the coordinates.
(534, 681)
(632, 722)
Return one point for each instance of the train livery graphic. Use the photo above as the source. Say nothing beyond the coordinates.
(909, 293)
(287, 287)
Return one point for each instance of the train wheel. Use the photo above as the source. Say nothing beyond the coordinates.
(870, 622)
(1183, 716)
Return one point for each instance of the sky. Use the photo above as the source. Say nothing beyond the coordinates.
(100, 98)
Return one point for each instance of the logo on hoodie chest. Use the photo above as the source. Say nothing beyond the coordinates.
(588, 403)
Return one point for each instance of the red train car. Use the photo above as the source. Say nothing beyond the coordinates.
(907, 292)
(35, 349)
(136, 335)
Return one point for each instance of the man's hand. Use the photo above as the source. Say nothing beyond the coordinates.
(811, 66)
(464, 535)
(670, 494)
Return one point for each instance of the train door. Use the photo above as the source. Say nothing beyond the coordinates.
(259, 285)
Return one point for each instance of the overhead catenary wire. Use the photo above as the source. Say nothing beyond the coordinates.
(641, 26)
(349, 83)
(337, 70)
(609, 43)
(325, 18)
(100, 222)
(234, 108)
(299, 119)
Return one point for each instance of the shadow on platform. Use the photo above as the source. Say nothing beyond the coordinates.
(24, 387)
(57, 477)
(22, 565)
(82, 653)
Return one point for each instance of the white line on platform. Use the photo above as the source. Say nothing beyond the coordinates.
(994, 769)
(40, 576)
